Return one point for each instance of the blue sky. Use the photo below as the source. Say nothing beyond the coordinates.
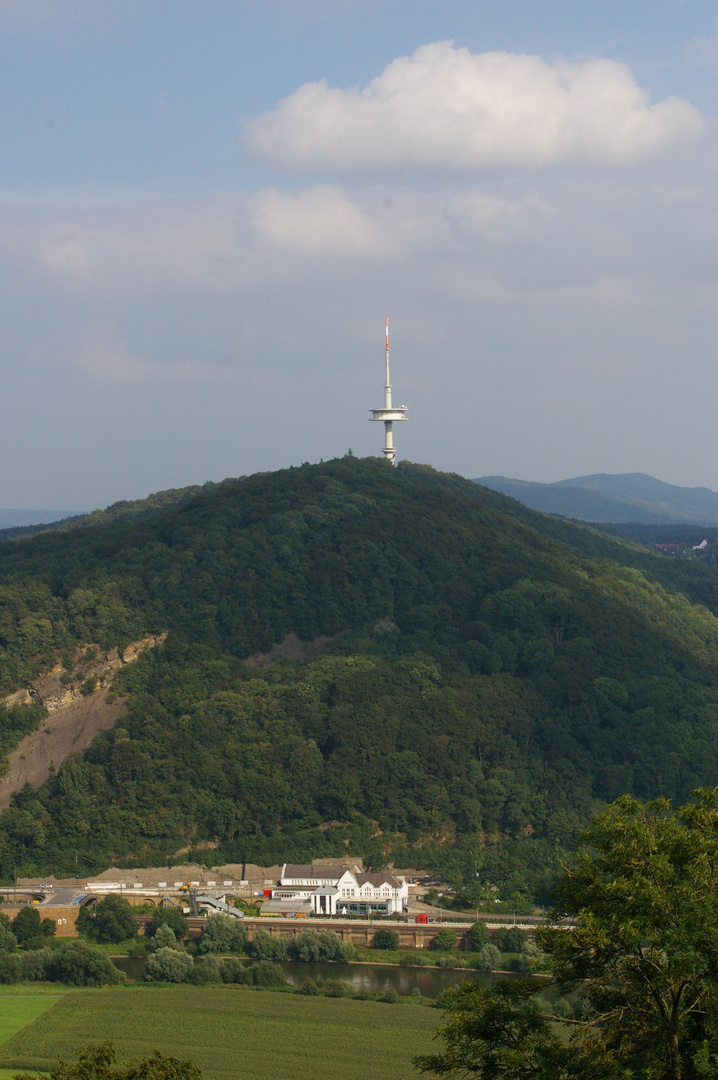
(206, 211)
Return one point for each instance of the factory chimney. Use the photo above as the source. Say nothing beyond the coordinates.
(389, 413)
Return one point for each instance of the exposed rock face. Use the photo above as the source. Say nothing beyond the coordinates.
(20, 697)
(54, 690)
(78, 711)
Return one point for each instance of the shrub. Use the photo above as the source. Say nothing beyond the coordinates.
(27, 925)
(169, 916)
(79, 964)
(96, 1063)
(169, 965)
(445, 940)
(532, 958)
(33, 965)
(10, 968)
(111, 921)
(348, 951)
(317, 946)
(309, 987)
(206, 971)
(267, 974)
(233, 970)
(221, 934)
(336, 988)
(266, 947)
(509, 939)
(488, 959)
(164, 939)
(8, 941)
(563, 1009)
(478, 935)
(390, 997)
(385, 939)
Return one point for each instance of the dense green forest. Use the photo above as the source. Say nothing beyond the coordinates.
(494, 676)
(122, 508)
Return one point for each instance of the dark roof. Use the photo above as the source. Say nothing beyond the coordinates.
(378, 879)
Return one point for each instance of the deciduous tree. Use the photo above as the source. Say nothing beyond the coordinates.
(640, 953)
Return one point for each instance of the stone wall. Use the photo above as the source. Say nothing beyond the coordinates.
(65, 917)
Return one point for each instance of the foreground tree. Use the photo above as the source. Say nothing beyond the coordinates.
(500, 1033)
(98, 1063)
(640, 953)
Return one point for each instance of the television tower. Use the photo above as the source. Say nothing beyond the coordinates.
(390, 412)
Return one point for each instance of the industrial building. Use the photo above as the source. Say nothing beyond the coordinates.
(336, 890)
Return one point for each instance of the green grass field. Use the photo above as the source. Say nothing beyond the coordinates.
(18, 1009)
(232, 1034)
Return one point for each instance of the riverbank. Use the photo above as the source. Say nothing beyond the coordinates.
(357, 976)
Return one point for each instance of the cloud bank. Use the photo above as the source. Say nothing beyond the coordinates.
(445, 109)
(106, 359)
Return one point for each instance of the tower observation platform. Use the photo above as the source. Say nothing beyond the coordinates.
(390, 413)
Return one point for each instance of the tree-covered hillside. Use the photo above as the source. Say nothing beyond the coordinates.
(493, 675)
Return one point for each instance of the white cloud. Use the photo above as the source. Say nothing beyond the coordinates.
(106, 359)
(532, 317)
(445, 109)
(210, 244)
(318, 221)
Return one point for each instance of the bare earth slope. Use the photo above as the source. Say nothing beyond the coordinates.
(74, 717)
(69, 729)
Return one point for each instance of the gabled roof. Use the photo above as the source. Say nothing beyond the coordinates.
(377, 880)
(325, 871)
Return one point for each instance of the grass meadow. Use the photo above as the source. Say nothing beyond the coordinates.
(18, 1008)
(230, 1033)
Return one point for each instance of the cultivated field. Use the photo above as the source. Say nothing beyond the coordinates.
(231, 1033)
(18, 1009)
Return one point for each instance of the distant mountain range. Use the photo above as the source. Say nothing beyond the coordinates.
(616, 499)
(14, 519)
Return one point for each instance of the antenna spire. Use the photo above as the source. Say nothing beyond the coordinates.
(389, 413)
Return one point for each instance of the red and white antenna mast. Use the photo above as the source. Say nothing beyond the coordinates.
(389, 413)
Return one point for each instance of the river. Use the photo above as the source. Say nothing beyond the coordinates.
(376, 978)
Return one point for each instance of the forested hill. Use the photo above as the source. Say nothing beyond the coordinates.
(493, 675)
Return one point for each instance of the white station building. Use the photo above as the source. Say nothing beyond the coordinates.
(340, 890)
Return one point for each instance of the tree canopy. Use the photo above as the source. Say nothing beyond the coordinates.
(99, 1063)
(640, 954)
(493, 677)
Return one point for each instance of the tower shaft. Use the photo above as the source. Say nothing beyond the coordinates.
(389, 413)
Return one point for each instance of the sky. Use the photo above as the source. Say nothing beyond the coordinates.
(208, 209)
